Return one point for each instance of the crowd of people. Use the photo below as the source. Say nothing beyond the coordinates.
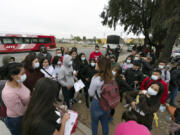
(31, 91)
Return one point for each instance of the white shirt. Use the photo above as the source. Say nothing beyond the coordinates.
(96, 85)
(51, 71)
(57, 70)
(126, 66)
(166, 76)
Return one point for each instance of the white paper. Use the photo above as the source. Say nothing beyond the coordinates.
(70, 123)
(79, 85)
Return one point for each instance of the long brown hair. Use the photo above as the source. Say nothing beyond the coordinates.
(105, 69)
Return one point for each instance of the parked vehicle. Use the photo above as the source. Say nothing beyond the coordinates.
(130, 47)
(114, 41)
(175, 57)
(22, 43)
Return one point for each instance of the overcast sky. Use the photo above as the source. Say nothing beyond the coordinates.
(61, 18)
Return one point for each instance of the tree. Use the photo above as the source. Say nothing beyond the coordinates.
(77, 38)
(149, 17)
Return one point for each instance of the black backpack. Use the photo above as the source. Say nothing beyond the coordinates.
(2, 105)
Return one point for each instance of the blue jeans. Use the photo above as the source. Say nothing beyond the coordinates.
(98, 114)
(172, 95)
(14, 125)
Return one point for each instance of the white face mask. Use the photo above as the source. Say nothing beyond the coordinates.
(59, 55)
(70, 63)
(152, 92)
(59, 63)
(161, 67)
(96, 51)
(128, 61)
(44, 54)
(22, 79)
(136, 58)
(36, 65)
(154, 77)
(83, 58)
(114, 73)
(93, 64)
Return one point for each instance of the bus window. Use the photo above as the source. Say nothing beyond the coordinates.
(18, 40)
(7, 40)
(44, 40)
(26, 40)
(35, 40)
(0, 41)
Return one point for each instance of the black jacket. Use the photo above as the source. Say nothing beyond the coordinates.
(146, 68)
(147, 105)
(123, 85)
(132, 76)
(42, 56)
(86, 71)
(175, 78)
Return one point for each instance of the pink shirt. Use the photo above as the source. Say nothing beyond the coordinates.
(131, 128)
(16, 100)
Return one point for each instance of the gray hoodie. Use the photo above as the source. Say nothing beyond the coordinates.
(66, 77)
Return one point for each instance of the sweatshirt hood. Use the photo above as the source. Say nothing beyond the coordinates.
(66, 60)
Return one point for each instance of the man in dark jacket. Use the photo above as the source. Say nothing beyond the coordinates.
(174, 84)
(146, 66)
(44, 54)
(134, 76)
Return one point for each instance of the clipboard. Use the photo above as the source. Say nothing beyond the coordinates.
(79, 85)
(71, 124)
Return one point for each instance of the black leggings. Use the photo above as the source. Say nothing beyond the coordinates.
(68, 95)
(86, 94)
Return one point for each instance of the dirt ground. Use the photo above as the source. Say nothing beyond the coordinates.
(164, 121)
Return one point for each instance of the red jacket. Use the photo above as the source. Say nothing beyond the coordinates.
(94, 55)
(148, 81)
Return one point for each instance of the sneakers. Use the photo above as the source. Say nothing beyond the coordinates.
(79, 101)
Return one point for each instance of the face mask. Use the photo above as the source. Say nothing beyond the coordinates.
(22, 79)
(45, 67)
(83, 58)
(161, 67)
(154, 77)
(36, 65)
(114, 73)
(128, 61)
(59, 63)
(59, 55)
(96, 51)
(93, 64)
(70, 63)
(44, 54)
(152, 92)
(136, 58)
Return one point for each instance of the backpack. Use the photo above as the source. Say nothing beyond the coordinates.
(3, 108)
(110, 96)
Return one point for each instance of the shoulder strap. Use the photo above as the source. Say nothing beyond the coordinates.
(97, 95)
(47, 72)
(165, 73)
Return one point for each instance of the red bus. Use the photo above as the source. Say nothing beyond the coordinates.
(22, 43)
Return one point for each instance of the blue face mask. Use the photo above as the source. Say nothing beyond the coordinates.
(22, 79)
